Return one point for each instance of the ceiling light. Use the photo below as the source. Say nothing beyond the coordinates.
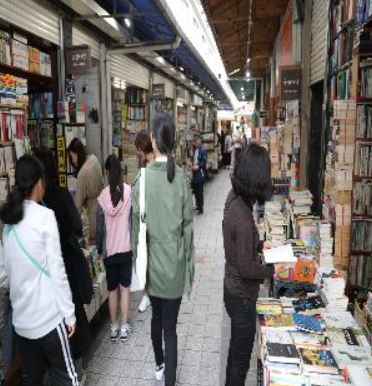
(242, 89)
(127, 22)
(248, 74)
(248, 60)
(234, 72)
(182, 69)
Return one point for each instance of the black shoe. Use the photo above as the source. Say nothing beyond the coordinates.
(199, 213)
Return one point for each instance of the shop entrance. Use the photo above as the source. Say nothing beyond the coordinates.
(315, 146)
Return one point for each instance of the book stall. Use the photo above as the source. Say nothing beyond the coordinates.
(306, 335)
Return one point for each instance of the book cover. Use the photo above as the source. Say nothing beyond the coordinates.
(318, 360)
(360, 375)
(279, 321)
(282, 353)
(307, 339)
(308, 323)
(351, 355)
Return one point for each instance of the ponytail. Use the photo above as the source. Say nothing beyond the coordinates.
(29, 171)
(163, 130)
(171, 167)
(12, 211)
(115, 177)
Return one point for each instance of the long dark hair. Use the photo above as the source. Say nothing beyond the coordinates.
(29, 171)
(77, 147)
(164, 133)
(46, 157)
(115, 177)
(252, 175)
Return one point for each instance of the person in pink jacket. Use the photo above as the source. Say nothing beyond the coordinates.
(114, 245)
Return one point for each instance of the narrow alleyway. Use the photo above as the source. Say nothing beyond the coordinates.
(203, 328)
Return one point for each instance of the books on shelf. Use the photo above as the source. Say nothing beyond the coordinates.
(361, 235)
(362, 203)
(360, 270)
(363, 161)
(364, 123)
(301, 202)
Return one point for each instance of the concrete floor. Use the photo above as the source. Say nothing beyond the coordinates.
(203, 328)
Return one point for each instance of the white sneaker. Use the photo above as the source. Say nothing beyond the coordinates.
(125, 330)
(145, 304)
(114, 333)
(159, 372)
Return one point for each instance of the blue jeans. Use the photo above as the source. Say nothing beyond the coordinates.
(243, 330)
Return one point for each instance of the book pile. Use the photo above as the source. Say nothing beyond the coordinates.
(324, 245)
(276, 223)
(301, 202)
(298, 349)
(333, 294)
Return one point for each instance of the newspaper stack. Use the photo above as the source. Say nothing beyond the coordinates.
(324, 245)
(301, 202)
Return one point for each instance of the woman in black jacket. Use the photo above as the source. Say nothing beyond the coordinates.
(70, 230)
(244, 272)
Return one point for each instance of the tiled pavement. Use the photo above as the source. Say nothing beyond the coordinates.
(203, 327)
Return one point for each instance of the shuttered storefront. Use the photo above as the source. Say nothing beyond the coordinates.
(132, 72)
(169, 85)
(32, 17)
(319, 32)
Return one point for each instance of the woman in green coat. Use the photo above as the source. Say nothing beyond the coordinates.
(169, 219)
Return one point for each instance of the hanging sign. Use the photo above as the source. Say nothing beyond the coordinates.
(158, 90)
(290, 83)
(78, 59)
(61, 155)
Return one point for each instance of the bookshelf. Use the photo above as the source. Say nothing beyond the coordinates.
(347, 196)
(131, 109)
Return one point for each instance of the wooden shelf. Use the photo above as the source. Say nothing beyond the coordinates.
(359, 178)
(363, 139)
(362, 216)
(360, 252)
(24, 73)
(13, 107)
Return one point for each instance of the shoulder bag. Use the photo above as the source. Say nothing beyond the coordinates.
(139, 273)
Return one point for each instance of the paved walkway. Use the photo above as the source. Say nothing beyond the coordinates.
(203, 325)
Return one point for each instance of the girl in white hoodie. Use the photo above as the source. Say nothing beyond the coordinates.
(32, 268)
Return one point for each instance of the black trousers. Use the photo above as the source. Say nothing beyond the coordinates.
(164, 318)
(243, 331)
(199, 196)
(53, 352)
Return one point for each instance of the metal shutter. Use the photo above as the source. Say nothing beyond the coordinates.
(132, 72)
(32, 17)
(81, 36)
(169, 85)
(319, 33)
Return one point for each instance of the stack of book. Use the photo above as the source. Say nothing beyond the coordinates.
(301, 202)
(333, 294)
(276, 223)
(324, 245)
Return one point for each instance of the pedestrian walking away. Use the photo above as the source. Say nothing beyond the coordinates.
(114, 244)
(169, 220)
(43, 311)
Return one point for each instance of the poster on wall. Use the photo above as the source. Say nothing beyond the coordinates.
(290, 83)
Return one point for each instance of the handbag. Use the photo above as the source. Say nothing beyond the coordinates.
(139, 272)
